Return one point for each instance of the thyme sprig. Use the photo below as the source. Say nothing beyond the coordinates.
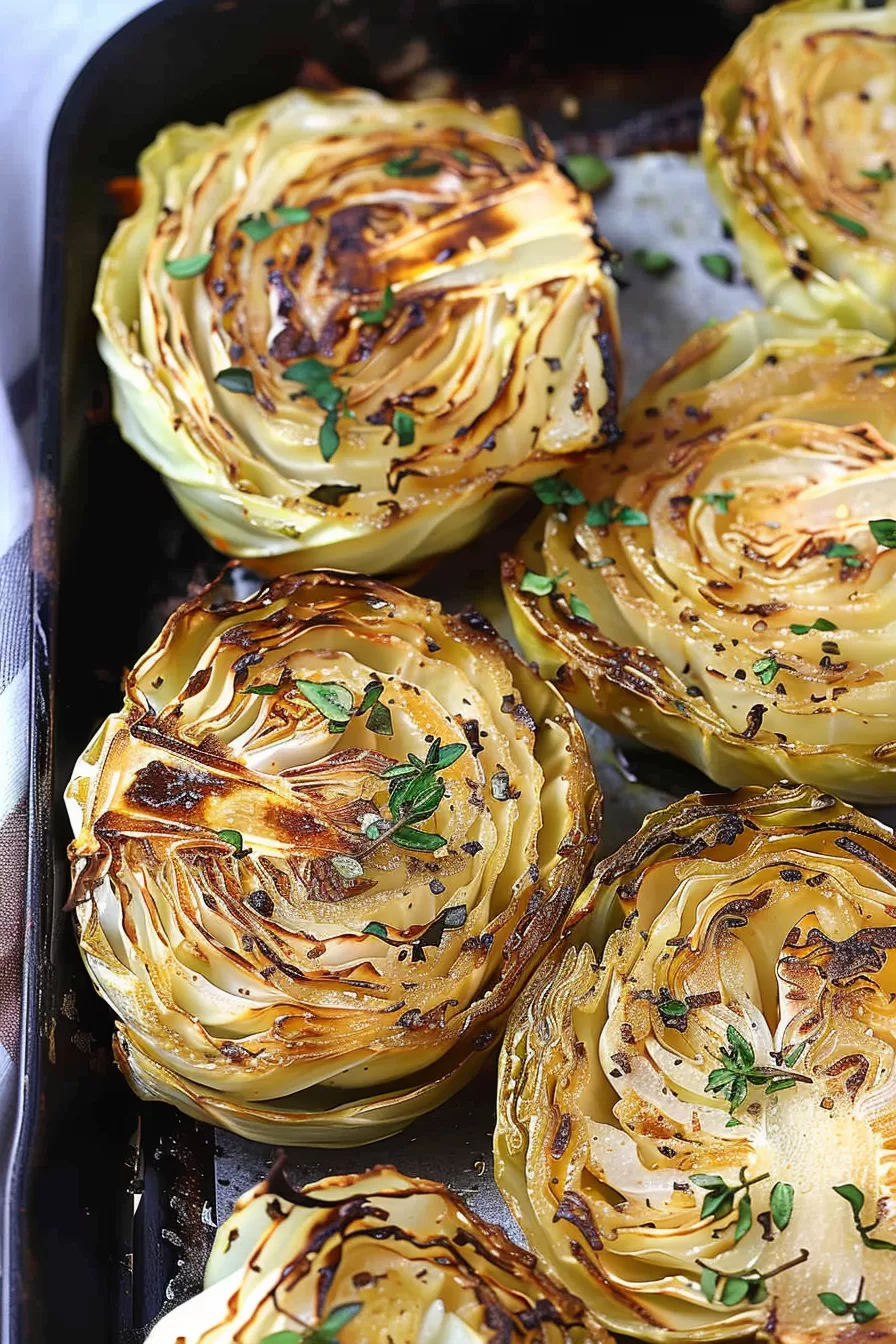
(856, 1201)
(748, 1283)
(739, 1072)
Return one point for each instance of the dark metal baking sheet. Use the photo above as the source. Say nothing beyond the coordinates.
(108, 1206)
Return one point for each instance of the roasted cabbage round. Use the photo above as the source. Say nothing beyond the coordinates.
(798, 146)
(348, 331)
(696, 1121)
(723, 583)
(378, 1258)
(318, 852)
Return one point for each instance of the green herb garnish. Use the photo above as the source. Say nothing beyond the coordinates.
(718, 266)
(749, 1283)
(325, 1333)
(316, 379)
(861, 1309)
(542, 585)
(589, 172)
(856, 1200)
(415, 792)
(781, 1204)
(555, 490)
(403, 424)
(329, 698)
(236, 380)
(377, 315)
(256, 227)
(232, 838)
(184, 268)
(407, 166)
(579, 608)
(882, 174)
(379, 716)
(718, 499)
(822, 623)
(652, 261)
(334, 495)
(850, 225)
(883, 530)
(607, 511)
(293, 214)
(740, 1071)
(766, 669)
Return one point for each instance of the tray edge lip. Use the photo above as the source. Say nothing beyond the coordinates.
(42, 597)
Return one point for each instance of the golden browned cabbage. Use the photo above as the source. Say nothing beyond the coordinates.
(696, 1121)
(378, 1258)
(798, 146)
(338, 324)
(723, 583)
(319, 850)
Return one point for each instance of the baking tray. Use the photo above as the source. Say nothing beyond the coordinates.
(109, 1206)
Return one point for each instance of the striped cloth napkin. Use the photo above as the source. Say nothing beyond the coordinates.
(45, 47)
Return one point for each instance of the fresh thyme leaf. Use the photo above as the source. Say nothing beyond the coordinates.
(312, 373)
(379, 720)
(236, 380)
(268, 689)
(606, 511)
(631, 517)
(409, 837)
(346, 866)
(184, 268)
(579, 609)
(257, 227)
(793, 1056)
(834, 1302)
(232, 838)
(781, 1204)
(589, 172)
(856, 1200)
(709, 1281)
(403, 424)
(555, 490)
(851, 225)
(462, 156)
(373, 316)
(293, 214)
(672, 1008)
(601, 513)
(883, 530)
(539, 584)
(718, 266)
(707, 1182)
(376, 929)
(841, 550)
(442, 757)
(407, 166)
(882, 174)
(779, 1085)
(741, 1046)
(718, 499)
(863, 1311)
(328, 436)
(734, 1290)
(372, 692)
(821, 624)
(744, 1217)
(331, 698)
(766, 669)
(325, 1333)
(652, 261)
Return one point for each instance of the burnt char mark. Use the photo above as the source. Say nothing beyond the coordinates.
(198, 682)
(573, 1209)
(561, 1138)
(175, 791)
(348, 250)
(470, 729)
(755, 715)
(610, 409)
(860, 852)
(476, 621)
(292, 343)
